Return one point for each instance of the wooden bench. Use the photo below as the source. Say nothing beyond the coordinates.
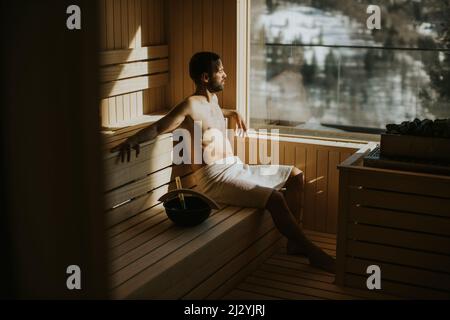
(150, 257)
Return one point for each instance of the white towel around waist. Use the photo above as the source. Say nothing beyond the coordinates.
(232, 182)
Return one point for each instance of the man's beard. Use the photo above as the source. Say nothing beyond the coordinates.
(215, 87)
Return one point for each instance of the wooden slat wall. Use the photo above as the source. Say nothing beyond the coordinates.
(127, 24)
(319, 165)
(399, 221)
(201, 25)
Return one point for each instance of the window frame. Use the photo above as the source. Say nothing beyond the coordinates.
(243, 27)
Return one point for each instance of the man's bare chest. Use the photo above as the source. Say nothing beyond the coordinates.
(210, 116)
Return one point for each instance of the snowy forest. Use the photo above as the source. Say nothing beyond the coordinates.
(316, 65)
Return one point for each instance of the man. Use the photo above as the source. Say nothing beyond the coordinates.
(220, 174)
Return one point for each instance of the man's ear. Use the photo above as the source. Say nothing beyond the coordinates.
(205, 77)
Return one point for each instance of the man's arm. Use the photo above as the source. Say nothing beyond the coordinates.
(240, 123)
(166, 124)
(228, 113)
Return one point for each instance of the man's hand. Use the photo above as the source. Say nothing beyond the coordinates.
(240, 124)
(125, 148)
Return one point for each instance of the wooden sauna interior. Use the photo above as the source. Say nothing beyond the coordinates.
(125, 69)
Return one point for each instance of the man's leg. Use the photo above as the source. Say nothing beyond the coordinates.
(293, 195)
(293, 192)
(286, 224)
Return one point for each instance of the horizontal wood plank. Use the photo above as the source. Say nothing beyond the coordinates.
(134, 54)
(400, 201)
(407, 257)
(406, 275)
(402, 290)
(275, 292)
(119, 87)
(142, 203)
(135, 220)
(228, 276)
(400, 220)
(145, 239)
(397, 182)
(134, 69)
(400, 238)
(150, 275)
(140, 169)
(216, 261)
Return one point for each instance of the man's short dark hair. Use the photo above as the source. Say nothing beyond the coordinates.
(203, 62)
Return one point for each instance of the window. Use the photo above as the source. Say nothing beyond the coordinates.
(316, 68)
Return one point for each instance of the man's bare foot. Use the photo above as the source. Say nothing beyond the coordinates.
(294, 249)
(321, 260)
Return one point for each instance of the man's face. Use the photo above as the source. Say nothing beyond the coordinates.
(217, 81)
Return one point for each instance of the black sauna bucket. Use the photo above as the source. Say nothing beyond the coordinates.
(198, 207)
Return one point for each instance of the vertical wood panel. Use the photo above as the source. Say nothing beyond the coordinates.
(137, 17)
(117, 25)
(117, 45)
(104, 103)
(145, 100)
(207, 25)
(112, 110)
(152, 100)
(139, 104)
(197, 26)
(310, 187)
(289, 154)
(158, 17)
(321, 210)
(253, 151)
(144, 20)
(131, 24)
(151, 21)
(341, 239)
(109, 24)
(124, 24)
(229, 48)
(159, 99)
(119, 108)
(104, 112)
(133, 105)
(218, 34)
(160, 39)
(126, 107)
(165, 21)
(109, 13)
(300, 162)
(333, 190)
(187, 46)
(103, 33)
(300, 158)
(176, 43)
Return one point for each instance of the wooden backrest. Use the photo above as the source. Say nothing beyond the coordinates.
(135, 186)
(129, 70)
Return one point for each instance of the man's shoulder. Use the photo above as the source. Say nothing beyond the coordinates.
(194, 100)
(186, 105)
(194, 103)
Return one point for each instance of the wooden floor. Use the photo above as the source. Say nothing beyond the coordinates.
(285, 276)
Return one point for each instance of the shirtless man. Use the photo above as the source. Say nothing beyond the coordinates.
(237, 183)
